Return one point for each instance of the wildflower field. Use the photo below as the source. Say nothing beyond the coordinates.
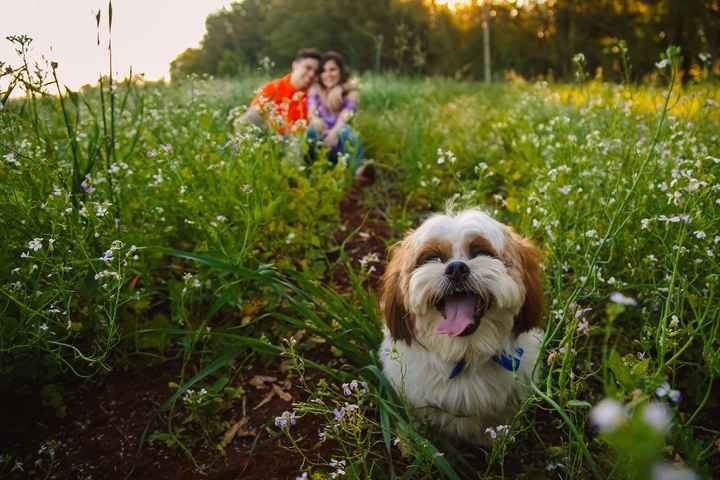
(179, 299)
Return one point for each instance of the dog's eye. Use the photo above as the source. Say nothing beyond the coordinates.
(430, 258)
(475, 252)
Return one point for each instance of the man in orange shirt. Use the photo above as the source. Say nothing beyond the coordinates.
(281, 104)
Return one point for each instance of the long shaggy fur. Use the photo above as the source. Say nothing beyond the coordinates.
(504, 271)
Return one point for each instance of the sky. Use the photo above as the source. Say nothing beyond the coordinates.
(146, 34)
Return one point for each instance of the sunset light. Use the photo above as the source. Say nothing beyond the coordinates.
(455, 4)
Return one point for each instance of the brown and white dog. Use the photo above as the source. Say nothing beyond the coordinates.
(462, 299)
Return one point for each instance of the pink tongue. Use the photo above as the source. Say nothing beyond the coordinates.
(459, 311)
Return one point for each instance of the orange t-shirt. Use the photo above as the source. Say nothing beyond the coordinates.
(283, 106)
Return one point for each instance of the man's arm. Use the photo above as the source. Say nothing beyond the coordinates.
(252, 116)
(337, 94)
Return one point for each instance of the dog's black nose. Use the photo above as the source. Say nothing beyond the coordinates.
(457, 270)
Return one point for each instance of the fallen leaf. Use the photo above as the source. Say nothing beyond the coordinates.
(317, 340)
(252, 307)
(299, 335)
(282, 393)
(259, 381)
(236, 430)
(265, 400)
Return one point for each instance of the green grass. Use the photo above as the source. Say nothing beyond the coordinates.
(217, 244)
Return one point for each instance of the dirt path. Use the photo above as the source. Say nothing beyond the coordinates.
(364, 233)
(100, 433)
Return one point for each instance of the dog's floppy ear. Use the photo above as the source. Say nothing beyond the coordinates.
(399, 321)
(526, 263)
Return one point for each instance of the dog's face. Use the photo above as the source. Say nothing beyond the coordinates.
(461, 285)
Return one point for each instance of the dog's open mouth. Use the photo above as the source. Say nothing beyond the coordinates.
(461, 313)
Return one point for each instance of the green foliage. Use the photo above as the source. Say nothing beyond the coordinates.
(534, 39)
(211, 244)
(84, 231)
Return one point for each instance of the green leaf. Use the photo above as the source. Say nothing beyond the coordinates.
(641, 368)
(621, 372)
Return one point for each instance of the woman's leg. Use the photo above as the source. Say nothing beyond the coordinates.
(312, 137)
(349, 144)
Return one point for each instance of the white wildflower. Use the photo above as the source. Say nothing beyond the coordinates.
(100, 210)
(370, 257)
(35, 244)
(607, 415)
(106, 274)
(10, 158)
(617, 297)
(583, 327)
(657, 415)
(662, 390)
(666, 471)
(285, 420)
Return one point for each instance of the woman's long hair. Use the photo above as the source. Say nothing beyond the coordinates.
(339, 61)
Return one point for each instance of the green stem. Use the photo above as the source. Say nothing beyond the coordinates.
(578, 436)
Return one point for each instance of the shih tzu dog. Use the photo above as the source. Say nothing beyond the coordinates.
(462, 300)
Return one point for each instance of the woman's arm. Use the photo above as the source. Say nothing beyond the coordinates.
(349, 107)
(314, 120)
(337, 94)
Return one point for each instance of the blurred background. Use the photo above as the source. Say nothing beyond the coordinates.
(531, 38)
(518, 38)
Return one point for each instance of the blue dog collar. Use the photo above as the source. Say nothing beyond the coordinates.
(511, 363)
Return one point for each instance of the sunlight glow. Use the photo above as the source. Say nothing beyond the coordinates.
(455, 4)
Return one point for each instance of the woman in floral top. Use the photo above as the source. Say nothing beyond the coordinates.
(331, 104)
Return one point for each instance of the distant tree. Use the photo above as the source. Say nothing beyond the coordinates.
(425, 37)
(189, 61)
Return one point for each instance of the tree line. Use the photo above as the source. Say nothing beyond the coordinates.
(531, 38)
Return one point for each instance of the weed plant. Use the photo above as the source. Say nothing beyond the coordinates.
(137, 222)
(86, 227)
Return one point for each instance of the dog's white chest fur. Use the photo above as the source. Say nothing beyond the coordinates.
(483, 395)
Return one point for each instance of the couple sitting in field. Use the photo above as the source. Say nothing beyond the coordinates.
(316, 99)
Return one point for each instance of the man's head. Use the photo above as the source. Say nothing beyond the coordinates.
(304, 68)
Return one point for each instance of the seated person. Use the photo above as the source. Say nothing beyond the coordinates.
(331, 104)
(281, 104)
